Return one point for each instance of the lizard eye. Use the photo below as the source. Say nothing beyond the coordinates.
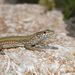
(32, 45)
(44, 32)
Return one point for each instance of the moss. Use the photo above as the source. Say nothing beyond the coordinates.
(47, 3)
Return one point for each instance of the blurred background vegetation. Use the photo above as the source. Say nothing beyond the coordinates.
(67, 6)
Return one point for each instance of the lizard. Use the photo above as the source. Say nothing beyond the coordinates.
(27, 41)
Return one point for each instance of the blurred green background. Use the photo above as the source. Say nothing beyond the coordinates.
(66, 6)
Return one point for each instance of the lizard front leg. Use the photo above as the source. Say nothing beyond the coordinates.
(42, 44)
(27, 46)
(1, 50)
(1, 47)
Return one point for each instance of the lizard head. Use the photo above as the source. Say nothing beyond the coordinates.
(39, 36)
(44, 34)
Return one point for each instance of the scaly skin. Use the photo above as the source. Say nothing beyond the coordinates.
(28, 41)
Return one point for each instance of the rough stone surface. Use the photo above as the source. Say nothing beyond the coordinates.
(58, 59)
(1, 1)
